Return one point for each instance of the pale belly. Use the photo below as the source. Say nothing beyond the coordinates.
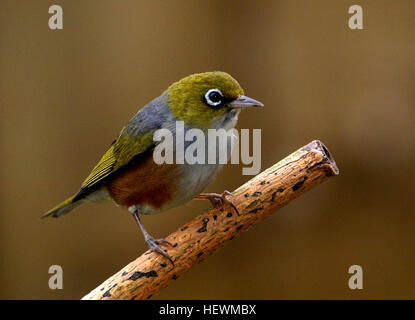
(194, 179)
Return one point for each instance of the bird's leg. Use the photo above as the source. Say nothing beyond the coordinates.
(152, 243)
(216, 198)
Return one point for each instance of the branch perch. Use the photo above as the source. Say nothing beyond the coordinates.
(193, 242)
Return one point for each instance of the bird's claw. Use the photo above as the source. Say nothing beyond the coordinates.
(219, 198)
(154, 245)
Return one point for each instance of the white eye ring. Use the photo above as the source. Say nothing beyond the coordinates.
(209, 101)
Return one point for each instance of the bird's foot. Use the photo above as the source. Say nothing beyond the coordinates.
(219, 199)
(154, 245)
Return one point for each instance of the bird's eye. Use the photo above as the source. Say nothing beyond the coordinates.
(213, 97)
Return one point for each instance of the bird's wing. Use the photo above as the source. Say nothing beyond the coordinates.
(120, 153)
(103, 168)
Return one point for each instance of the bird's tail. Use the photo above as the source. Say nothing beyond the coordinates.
(63, 208)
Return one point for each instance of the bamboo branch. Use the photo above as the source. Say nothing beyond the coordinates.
(193, 242)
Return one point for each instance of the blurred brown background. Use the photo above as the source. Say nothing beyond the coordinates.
(65, 94)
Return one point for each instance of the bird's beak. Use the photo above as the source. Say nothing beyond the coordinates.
(244, 101)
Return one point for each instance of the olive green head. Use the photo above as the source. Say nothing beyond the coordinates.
(202, 98)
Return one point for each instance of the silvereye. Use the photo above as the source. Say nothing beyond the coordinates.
(127, 173)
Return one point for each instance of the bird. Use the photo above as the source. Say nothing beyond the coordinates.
(127, 173)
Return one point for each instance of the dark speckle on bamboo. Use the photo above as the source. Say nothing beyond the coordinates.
(299, 184)
(137, 275)
(256, 210)
(107, 293)
(203, 228)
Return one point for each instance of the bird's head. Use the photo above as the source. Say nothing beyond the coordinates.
(202, 98)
